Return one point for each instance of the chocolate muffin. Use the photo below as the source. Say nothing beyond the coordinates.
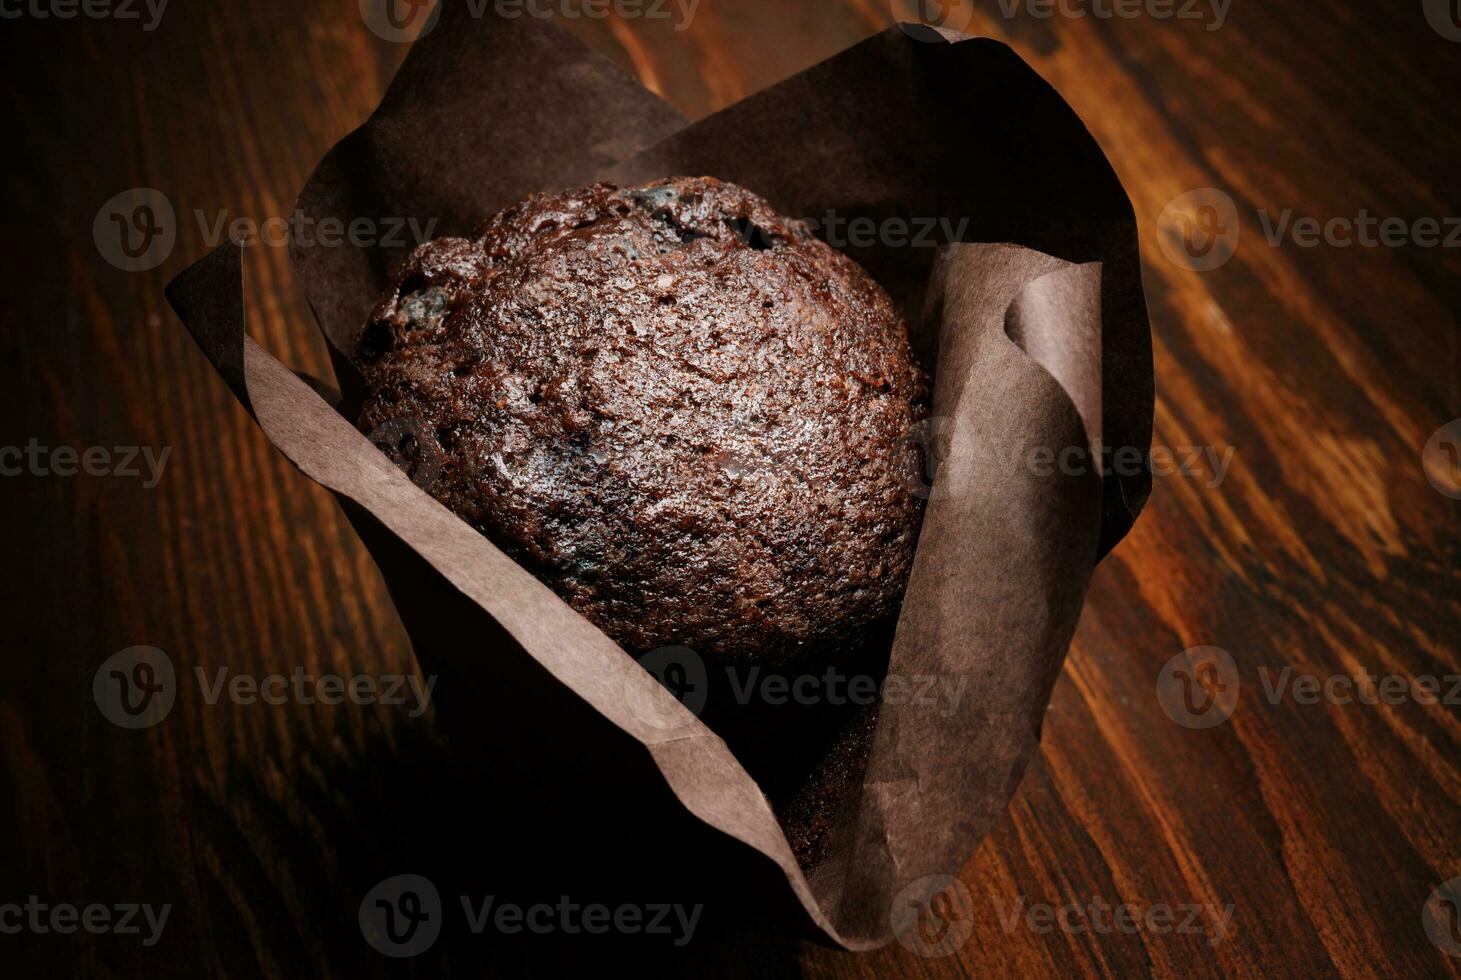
(686, 415)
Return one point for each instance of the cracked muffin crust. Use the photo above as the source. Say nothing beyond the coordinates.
(682, 412)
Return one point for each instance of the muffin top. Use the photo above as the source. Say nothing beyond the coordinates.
(682, 412)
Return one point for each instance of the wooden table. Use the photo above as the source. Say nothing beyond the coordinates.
(1323, 827)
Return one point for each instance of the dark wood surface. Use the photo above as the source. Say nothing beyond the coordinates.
(1324, 827)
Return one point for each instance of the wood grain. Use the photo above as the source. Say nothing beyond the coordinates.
(1324, 827)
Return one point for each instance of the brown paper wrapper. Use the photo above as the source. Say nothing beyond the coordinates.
(1040, 342)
